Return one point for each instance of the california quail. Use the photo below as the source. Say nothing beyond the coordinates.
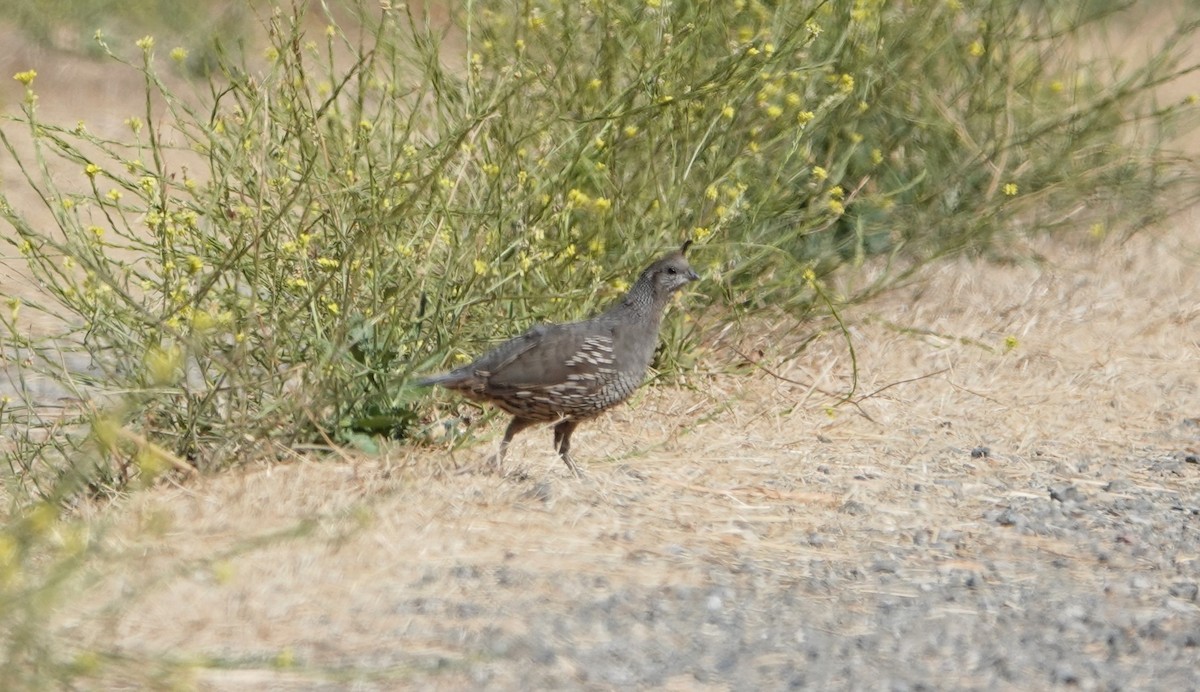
(572, 372)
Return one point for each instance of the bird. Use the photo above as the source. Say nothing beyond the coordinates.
(569, 373)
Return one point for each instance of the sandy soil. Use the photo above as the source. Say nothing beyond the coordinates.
(989, 518)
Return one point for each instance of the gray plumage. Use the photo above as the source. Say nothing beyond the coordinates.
(572, 372)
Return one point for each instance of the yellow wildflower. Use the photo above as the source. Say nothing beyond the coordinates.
(162, 364)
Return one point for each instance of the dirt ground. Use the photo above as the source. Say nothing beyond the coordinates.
(990, 518)
(1020, 520)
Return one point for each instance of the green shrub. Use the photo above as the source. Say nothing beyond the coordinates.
(266, 265)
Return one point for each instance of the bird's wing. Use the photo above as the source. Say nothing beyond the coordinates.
(549, 355)
(499, 358)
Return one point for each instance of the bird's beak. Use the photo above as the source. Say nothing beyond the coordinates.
(692, 275)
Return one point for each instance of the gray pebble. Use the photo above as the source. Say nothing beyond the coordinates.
(853, 508)
(1009, 517)
(1065, 493)
(1117, 485)
(1187, 590)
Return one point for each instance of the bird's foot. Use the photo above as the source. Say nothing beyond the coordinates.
(572, 465)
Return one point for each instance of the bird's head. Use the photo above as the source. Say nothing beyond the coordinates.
(670, 273)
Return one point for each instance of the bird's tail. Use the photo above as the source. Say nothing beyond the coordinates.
(434, 380)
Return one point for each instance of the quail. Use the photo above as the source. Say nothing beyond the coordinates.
(568, 373)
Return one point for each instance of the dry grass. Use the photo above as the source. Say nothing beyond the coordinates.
(740, 468)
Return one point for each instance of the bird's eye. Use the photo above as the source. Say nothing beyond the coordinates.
(672, 270)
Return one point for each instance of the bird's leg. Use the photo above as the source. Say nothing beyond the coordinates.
(515, 426)
(562, 443)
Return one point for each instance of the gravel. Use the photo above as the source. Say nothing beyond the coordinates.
(1058, 587)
